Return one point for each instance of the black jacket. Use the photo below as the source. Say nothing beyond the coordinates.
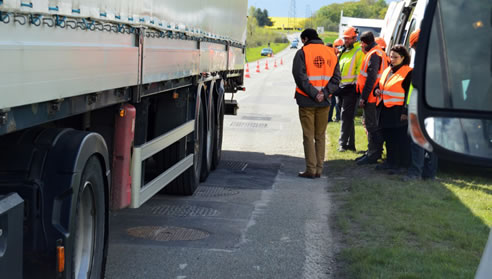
(302, 81)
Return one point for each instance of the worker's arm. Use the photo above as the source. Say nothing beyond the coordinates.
(372, 75)
(334, 82)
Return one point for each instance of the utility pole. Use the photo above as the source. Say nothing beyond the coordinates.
(292, 14)
(308, 17)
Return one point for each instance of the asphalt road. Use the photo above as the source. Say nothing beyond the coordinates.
(253, 217)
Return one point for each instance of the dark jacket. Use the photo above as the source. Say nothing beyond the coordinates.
(372, 73)
(302, 81)
(390, 117)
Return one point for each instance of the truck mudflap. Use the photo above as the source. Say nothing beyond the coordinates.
(123, 141)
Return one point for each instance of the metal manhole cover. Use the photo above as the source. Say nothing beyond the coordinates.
(254, 125)
(234, 165)
(209, 192)
(264, 118)
(181, 210)
(166, 233)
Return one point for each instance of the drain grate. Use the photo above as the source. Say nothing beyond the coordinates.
(234, 165)
(253, 125)
(181, 210)
(257, 118)
(210, 192)
(166, 233)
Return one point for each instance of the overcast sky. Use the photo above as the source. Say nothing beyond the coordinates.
(304, 8)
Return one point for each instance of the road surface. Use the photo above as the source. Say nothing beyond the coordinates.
(253, 217)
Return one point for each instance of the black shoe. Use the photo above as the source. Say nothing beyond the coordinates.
(341, 149)
(360, 157)
(384, 166)
(306, 174)
(366, 161)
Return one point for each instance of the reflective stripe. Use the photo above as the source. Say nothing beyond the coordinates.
(319, 87)
(347, 83)
(398, 101)
(327, 78)
(362, 73)
(394, 94)
(348, 77)
(351, 68)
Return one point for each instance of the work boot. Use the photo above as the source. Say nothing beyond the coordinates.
(367, 161)
(360, 157)
(306, 174)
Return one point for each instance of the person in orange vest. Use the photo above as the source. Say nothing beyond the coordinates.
(317, 75)
(382, 43)
(373, 65)
(335, 103)
(423, 164)
(392, 91)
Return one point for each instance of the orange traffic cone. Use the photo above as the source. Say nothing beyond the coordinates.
(257, 66)
(247, 72)
(266, 65)
(281, 61)
(275, 63)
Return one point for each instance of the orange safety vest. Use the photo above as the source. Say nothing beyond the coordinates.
(361, 79)
(393, 93)
(320, 65)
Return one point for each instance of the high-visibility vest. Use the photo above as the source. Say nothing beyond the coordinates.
(320, 65)
(350, 62)
(361, 79)
(393, 93)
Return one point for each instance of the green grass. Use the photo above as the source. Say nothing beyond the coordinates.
(329, 37)
(253, 54)
(395, 229)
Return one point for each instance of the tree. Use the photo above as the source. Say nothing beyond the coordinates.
(262, 17)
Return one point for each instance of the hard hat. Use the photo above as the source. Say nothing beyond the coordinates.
(338, 42)
(380, 41)
(414, 37)
(350, 32)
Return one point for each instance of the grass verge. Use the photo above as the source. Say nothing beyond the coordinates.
(395, 229)
(329, 37)
(253, 54)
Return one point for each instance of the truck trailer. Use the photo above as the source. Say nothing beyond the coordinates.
(104, 104)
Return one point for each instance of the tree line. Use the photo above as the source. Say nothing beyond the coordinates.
(329, 16)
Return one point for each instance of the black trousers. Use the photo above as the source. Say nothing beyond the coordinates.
(374, 132)
(397, 146)
(348, 98)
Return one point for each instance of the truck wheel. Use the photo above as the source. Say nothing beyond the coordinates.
(187, 183)
(219, 131)
(208, 141)
(88, 247)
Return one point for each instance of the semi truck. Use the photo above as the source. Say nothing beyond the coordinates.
(104, 104)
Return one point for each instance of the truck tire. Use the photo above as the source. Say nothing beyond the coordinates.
(187, 182)
(208, 139)
(219, 131)
(88, 247)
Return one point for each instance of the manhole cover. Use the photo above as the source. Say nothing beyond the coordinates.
(181, 210)
(158, 233)
(254, 125)
(257, 118)
(209, 192)
(234, 165)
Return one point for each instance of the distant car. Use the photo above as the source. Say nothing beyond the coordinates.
(294, 44)
(267, 52)
(295, 40)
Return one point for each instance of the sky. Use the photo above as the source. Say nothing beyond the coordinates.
(304, 8)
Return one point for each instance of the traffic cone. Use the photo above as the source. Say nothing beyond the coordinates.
(247, 72)
(281, 61)
(257, 66)
(275, 63)
(266, 65)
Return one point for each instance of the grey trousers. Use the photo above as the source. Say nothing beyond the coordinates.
(374, 132)
(348, 98)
